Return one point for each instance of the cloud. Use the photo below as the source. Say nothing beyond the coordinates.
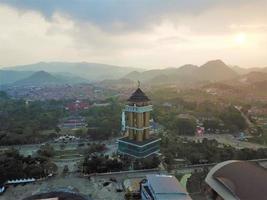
(151, 33)
(121, 15)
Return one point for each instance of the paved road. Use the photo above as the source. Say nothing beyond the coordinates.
(181, 170)
(227, 139)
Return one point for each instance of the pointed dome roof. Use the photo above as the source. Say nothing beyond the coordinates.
(138, 96)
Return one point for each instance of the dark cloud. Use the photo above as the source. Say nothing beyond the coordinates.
(120, 14)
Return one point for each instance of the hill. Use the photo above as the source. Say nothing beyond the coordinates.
(249, 86)
(10, 76)
(122, 83)
(249, 79)
(215, 70)
(211, 71)
(89, 71)
(243, 71)
(40, 78)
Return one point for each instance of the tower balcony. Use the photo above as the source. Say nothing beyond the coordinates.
(137, 109)
(139, 129)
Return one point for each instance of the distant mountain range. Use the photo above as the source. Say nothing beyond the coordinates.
(243, 71)
(54, 73)
(249, 79)
(253, 83)
(10, 76)
(88, 71)
(39, 78)
(211, 71)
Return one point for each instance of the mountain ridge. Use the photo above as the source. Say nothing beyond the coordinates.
(43, 78)
(215, 70)
(89, 71)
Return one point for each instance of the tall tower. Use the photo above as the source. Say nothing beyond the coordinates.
(138, 116)
(137, 141)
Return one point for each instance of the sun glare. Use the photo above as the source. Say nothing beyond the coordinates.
(240, 39)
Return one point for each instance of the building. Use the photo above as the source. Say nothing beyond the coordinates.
(138, 141)
(77, 106)
(162, 187)
(66, 139)
(73, 122)
(237, 180)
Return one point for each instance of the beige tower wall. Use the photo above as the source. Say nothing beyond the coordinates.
(146, 124)
(130, 123)
(140, 134)
(139, 121)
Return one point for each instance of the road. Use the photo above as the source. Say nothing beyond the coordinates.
(181, 170)
(226, 139)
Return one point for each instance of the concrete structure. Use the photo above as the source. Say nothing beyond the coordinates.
(162, 187)
(237, 180)
(77, 106)
(73, 122)
(138, 142)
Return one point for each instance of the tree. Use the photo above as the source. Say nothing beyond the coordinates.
(57, 129)
(15, 166)
(66, 169)
(211, 124)
(46, 151)
(184, 126)
(232, 118)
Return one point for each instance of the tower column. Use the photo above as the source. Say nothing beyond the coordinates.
(146, 124)
(140, 134)
(130, 121)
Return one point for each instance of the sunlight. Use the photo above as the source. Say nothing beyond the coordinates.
(240, 39)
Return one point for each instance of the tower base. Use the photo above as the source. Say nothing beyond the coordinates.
(137, 149)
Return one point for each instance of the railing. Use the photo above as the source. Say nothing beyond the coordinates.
(137, 109)
(138, 129)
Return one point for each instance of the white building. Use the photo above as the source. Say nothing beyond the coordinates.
(162, 187)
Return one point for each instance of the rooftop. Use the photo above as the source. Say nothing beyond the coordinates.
(138, 96)
(238, 180)
(167, 187)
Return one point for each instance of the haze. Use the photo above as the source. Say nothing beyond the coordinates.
(147, 34)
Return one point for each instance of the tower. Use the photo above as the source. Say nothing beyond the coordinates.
(138, 142)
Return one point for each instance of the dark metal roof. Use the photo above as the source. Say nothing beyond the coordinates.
(165, 184)
(244, 180)
(167, 187)
(138, 96)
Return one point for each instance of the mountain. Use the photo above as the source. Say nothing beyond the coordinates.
(211, 71)
(243, 71)
(10, 76)
(249, 79)
(89, 71)
(215, 70)
(264, 70)
(152, 74)
(118, 83)
(252, 85)
(40, 78)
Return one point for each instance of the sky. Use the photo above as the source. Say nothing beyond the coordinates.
(139, 33)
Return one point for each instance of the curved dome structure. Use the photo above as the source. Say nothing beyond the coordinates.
(236, 179)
